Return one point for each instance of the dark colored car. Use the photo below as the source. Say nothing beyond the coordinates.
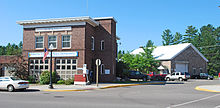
(137, 75)
(206, 76)
(203, 76)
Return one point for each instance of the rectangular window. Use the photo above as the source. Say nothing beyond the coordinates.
(58, 61)
(102, 45)
(52, 40)
(66, 41)
(46, 66)
(39, 42)
(92, 43)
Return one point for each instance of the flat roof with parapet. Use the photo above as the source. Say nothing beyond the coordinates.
(65, 20)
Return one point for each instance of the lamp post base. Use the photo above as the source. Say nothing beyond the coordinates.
(50, 86)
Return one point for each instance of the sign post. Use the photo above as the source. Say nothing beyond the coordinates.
(98, 63)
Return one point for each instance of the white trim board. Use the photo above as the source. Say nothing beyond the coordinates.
(55, 24)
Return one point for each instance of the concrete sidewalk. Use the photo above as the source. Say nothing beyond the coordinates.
(209, 88)
(62, 88)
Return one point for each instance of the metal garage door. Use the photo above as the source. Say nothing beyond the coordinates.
(181, 67)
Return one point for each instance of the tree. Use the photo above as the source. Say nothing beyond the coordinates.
(11, 49)
(191, 33)
(167, 37)
(18, 67)
(177, 38)
(208, 46)
(143, 62)
(150, 43)
(2, 50)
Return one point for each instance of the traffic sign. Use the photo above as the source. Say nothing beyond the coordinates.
(98, 62)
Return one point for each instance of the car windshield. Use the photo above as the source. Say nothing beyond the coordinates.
(14, 78)
(187, 73)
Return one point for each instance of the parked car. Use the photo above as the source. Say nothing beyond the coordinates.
(137, 75)
(155, 76)
(11, 84)
(206, 76)
(203, 76)
(178, 76)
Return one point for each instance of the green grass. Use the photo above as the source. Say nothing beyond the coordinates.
(215, 77)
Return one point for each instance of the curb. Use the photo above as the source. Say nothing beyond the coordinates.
(114, 86)
(126, 85)
(207, 90)
(61, 90)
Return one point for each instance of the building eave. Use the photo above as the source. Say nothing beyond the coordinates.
(59, 20)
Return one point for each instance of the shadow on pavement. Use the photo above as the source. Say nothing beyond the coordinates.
(28, 90)
(174, 83)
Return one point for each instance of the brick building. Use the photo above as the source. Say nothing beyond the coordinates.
(180, 58)
(77, 42)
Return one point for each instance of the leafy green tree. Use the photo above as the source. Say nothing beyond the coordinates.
(167, 37)
(143, 62)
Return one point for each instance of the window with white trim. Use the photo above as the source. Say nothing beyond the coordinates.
(39, 42)
(102, 45)
(52, 40)
(92, 43)
(66, 41)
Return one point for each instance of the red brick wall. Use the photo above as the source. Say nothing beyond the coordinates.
(81, 42)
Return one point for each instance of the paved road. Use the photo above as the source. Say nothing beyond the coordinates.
(173, 95)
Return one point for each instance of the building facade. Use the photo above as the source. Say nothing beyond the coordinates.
(77, 43)
(179, 58)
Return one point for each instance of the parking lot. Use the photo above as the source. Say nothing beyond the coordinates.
(173, 94)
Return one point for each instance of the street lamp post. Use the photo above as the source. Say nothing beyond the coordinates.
(51, 83)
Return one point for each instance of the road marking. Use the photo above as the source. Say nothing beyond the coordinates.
(217, 106)
(177, 105)
(208, 90)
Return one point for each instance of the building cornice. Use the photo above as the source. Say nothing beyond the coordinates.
(59, 20)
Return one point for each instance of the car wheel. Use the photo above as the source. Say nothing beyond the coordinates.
(11, 88)
(168, 79)
(180, 79)
(144, 79)
(208, 78)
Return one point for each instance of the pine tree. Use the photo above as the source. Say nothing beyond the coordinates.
(167, 37)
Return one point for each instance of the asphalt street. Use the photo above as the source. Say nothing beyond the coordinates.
(171, 95)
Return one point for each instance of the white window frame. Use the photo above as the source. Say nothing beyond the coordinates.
(52, 41)
(102, 41)
(92, 43)
(66, 41)
(39, 42)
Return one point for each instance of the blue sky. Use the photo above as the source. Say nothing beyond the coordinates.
(138, 20)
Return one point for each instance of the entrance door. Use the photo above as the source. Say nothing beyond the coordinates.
(181, 67)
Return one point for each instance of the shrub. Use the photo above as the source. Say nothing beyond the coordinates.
(45, 77)
(31, 79)
(69, 81)
(61, 82)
